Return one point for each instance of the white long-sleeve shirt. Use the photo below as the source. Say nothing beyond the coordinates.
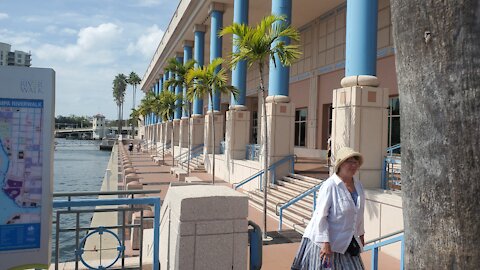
(336, 218)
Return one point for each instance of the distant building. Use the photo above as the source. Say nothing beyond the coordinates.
(15, 58)
(98, 127)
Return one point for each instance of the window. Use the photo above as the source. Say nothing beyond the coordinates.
(394, 121)
(300, 127)
(254, 134)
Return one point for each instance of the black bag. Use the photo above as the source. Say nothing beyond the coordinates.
(354, 248)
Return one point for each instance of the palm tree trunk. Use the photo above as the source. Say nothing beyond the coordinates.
(134, 90)
(189, 141)
(213, 137)
(173, 145)
(265, 152)
(438, 68)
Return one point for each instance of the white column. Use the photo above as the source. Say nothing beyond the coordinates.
(360, 122)
(237, 133)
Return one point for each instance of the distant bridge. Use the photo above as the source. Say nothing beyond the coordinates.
(87, 133)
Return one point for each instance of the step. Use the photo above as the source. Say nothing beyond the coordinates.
(300, 211)
(294, 184)
(288, 219)
(306, 178)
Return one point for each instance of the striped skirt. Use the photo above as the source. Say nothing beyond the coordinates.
(308, 258)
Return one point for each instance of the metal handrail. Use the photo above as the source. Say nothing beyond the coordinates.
(294, 200)
(97, 193)
(388, 160)
(191, 151)
(116, 202)
(272, 168)
(393, 148)
(383, 237)
(377, 243)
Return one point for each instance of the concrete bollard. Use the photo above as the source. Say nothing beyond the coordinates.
(204, 227)
(147, 224)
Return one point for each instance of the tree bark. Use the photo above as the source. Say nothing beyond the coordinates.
(213, 137)
(438, 70)
(265, 152)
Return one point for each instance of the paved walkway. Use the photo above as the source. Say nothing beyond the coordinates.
(277, 254)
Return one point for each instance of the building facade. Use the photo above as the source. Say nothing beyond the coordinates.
(343, 87)
(15, 58)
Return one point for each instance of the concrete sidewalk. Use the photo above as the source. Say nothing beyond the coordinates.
(278, 253)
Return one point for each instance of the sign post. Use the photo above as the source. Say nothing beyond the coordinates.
(27, 102)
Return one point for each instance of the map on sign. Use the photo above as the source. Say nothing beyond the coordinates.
(20, 172)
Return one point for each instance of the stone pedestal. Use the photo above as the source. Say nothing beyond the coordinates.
(280, 124)
(360, 122)
(218, 132)
(237, 133)
(183, 133)
(176, 132)
(197, 125)
(167, 133)
(204, 227)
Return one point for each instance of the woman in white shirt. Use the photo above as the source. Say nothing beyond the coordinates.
(333, 238)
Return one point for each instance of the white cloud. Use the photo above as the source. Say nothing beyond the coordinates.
(149, 3)
(3, 16)
(148, 42)
(69, 31)
(94, 45)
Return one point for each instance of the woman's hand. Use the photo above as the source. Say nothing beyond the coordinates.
(362, 238)
(326, 253)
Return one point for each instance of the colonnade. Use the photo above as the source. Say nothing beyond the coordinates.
(359, 107)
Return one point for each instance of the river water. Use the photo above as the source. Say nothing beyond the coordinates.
(79, 165)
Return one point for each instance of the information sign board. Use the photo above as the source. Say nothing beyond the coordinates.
(27, 101)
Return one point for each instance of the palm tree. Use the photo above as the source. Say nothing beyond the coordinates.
(439, 86)
(119, 86)
(205, 81)
(181, 71)
(146, 106)
(133, 80)
(166, 104)
(257, 45)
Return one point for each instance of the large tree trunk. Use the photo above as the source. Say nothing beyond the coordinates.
(438, 66)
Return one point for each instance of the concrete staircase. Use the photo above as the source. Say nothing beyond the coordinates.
(287, 188)
(196, 164)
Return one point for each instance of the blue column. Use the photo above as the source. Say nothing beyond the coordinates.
(239, 73)
(215, 48)
(199, 46)
(187, 56)
(165, 79)
(153, 120)
(178, 91)
(170, 75)
(279, 77)
(159, 90)
(361, 42)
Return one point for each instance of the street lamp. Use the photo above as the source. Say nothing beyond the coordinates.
(131, 131)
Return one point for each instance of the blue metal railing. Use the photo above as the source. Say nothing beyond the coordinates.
(272, 169)
(391, 167)
(375, 244)
(253, 152)
(116, 202)
(313, 190)
(183, 155)
(195, 152)
(222, 147)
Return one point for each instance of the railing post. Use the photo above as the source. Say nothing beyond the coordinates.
(280, 219)
(375, 258)
(402, 250)
(384, 168)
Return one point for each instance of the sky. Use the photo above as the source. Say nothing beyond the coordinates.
(87, 43)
